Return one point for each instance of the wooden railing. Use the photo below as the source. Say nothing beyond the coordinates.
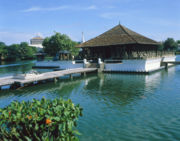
(145, 55)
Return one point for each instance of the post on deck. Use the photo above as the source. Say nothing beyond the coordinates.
(166, 66)
(83, 74)
(56, 79)
(71, 77)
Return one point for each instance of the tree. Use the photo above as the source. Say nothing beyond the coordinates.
(3, 50)
(170, 44)
(160, 47)
(52, 45)
(26, 52)
(17, 51)
(20, 51)
(2, 46)
(178, 41)
(12, 52)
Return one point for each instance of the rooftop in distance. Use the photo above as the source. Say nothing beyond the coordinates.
(37, 41)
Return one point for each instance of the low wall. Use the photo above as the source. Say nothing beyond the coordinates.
(61, 64)
(167, 59)
(135, 65)
(126, 66)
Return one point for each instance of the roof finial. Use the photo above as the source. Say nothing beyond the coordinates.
(83, 40)
(119, 22)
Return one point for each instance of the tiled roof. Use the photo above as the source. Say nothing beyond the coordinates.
(38, 37)
(119, 35)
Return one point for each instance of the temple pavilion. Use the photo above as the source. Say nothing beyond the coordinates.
(118, 43)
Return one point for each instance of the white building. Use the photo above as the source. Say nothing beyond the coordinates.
(36, 42)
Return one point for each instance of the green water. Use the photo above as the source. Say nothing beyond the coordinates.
(117, 107)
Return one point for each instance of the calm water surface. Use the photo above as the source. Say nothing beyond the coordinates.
(116, 107)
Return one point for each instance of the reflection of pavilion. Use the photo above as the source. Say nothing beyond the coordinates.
(118, 89)
(123, 89)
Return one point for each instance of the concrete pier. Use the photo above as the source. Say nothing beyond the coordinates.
(42, 78)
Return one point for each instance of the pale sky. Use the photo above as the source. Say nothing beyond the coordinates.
(21, 20)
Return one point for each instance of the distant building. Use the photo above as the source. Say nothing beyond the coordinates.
(63, 55)
(36, 42)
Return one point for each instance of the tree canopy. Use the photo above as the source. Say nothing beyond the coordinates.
(20, 51)
(178, 41)
(170, 44)
(57, 42)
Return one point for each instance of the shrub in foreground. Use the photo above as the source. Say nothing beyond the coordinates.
(44, 120)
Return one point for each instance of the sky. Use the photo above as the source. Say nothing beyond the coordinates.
(20, 20)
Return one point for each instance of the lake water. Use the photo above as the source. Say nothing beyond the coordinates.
(116, 107)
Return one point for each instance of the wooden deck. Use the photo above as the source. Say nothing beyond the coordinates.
(43, 77)
(170, 62)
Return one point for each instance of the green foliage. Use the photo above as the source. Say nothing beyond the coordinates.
(26, 52)
(59, 42)
(160, 47)
(170, 44)
(12, 52)
(3, 50)
(2, 46)
(178, 41)
(44, 120)
(17, 51)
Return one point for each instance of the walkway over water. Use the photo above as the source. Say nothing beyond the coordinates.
(171, 62)
(15, 82)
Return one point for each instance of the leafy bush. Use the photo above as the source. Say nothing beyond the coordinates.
(44, 120)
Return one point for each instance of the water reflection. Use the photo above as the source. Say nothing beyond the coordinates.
(63, 88)
(121, 89)
(116, 106)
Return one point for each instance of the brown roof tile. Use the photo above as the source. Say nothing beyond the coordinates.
(119, 35)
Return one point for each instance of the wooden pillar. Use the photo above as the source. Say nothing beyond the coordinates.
(166, 66)
(83, 74)
(71, 77)
(56, 79)
(15, 85)
(22, 85)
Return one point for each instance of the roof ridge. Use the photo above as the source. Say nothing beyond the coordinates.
(118, 35)
(127, 33)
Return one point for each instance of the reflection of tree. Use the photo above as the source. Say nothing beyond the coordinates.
(62, 88)
(58, 89)
(118, 89)
(16, 69)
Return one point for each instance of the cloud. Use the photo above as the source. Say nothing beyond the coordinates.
(15, 37)
(32, 9)
(92, 7)
(163, 22)
(161, 36)
(35, 9)
(110, 7)
(112, 15)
